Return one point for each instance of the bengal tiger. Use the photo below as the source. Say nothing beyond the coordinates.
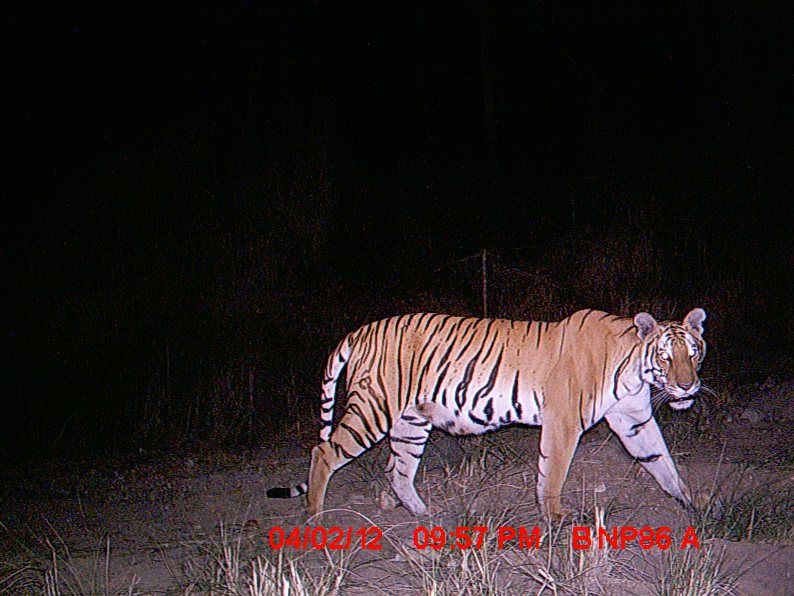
(407, 374)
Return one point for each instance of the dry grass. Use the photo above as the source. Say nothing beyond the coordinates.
(64, 572)
(232, 563)
(691, 572)
(237, 560)
(738, 509)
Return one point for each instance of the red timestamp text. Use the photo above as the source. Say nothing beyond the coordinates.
(320, 538)
(585, 537)
(473, 537)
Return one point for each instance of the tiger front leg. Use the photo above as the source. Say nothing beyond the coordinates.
(643, 440)
(558, 442)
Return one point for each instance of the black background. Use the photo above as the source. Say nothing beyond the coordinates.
(198, 188)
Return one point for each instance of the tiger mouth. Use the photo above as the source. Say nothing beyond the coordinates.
(681, 403)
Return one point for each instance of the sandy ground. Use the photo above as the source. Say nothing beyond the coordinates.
(152, 519)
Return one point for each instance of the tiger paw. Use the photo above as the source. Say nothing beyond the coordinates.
(702, 500)
(562, 515)
(387, 501)
(708, 504)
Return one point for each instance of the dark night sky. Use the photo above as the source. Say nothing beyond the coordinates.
(678, 95)
(151, 147)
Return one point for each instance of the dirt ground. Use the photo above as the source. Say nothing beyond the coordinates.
(156, 521)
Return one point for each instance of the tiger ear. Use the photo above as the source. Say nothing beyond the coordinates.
(645, 324)
(694, 320)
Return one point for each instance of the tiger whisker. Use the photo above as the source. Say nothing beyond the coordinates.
(659, 397)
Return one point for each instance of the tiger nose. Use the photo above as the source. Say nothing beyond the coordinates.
(687, 386)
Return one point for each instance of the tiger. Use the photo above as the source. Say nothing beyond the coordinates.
(466, 375)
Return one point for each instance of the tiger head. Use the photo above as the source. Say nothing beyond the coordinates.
(672, 354)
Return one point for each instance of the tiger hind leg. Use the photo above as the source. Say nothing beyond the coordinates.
(407, 440)
(352, 437)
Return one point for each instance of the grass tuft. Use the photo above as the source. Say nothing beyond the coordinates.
(692, 572)
(227, 564)
(759, 514)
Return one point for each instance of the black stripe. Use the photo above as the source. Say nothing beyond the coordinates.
(445, 356)
(384, 409)
(628, 329)
(467, 344)
(410, 384)
(418, 423)
(444, 320)
(423, 370)
(358, 411)
(338, 448)
(648, 458)
(488, 410)
(584, 318)
(486, 389)
(636, 427)
(493, 340)
(355, 434)
(429, 320)
(453, 331)
(279, 492)
(438, 383)
(372, 403)
(516, 403)
(460, 391)
(619, 371)
(399, 395)
(382, 386)
(476, 420)
(409, 440)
